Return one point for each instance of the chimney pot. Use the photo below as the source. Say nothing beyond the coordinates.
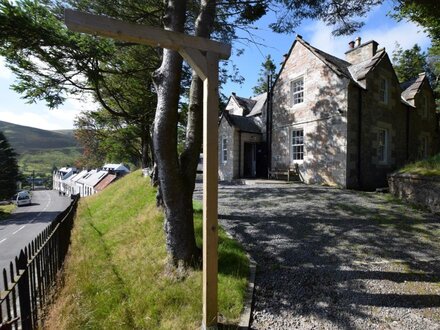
(233, 93)
(357, 42)
(351, 44)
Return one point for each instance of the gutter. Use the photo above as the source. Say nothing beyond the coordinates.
(359, 141)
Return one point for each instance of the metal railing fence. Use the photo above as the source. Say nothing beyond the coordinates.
(29, 281)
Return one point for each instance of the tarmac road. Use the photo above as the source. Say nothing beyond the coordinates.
(26, 222)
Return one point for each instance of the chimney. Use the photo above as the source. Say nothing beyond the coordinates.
(284, 59)
(351, 44)
(233, 94)
(360, 53)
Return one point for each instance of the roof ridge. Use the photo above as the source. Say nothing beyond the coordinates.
(321, 55)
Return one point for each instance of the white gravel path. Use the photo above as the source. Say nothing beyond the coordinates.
(335, 259)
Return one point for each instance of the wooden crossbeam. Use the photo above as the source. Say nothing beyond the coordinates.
(203, 55)
(141, 34)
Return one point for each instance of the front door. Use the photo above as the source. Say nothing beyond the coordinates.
(250, 164)
(261, 160)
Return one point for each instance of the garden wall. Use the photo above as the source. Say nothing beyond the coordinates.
(417, 189)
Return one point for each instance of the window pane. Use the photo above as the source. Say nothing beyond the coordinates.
(225, 149)
(381, 145)
(297, 91)
(298, 144)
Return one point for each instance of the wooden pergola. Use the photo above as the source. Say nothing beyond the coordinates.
(203, 55)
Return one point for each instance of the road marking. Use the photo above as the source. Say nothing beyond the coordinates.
(4, 239)
(15, 232)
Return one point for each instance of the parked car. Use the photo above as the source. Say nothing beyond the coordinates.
(23, 198)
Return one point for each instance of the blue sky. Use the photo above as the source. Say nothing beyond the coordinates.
(378, 26)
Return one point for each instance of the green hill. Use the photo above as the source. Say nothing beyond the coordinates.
(40, 150)
(116, 275)
(24, 139)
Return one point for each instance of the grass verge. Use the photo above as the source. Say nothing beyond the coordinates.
(6, 210)
(115, 277)
(429, 166)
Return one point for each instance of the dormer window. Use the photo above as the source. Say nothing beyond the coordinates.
(383, 90)
(297, 91)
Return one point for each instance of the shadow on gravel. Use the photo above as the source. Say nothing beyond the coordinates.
(315, 248)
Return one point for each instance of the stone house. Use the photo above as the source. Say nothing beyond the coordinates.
(242, 144)
(344, 123)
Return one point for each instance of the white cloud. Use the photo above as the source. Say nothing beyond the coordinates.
(405, 33)
(41, 117)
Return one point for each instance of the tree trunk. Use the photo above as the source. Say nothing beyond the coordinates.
(176, 195)
(194, 129)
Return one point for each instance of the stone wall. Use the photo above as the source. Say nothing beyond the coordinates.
(377, 115)
(226, 169)
(322, 116)
(420, 190)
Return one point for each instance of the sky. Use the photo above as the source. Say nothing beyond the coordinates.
(378, 26)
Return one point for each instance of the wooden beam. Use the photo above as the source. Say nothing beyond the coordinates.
(210, 192)
(141, 34)
(197, 61)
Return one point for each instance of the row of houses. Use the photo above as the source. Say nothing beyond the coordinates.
(71, 181)
(342, 122)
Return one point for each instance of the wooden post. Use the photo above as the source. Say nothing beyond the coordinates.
(210, 192)
(203, 55)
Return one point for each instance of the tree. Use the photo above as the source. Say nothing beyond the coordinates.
(9, 169)
(409, 63)
(51, 62)
(433, 61)
(425, 13)
(268, 70)
(77, 63)
(107, 138)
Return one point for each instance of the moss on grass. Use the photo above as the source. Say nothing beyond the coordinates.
(429, 167)
(115, 277)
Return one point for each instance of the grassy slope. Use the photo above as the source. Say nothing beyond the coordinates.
(115, 276)
(430, 166)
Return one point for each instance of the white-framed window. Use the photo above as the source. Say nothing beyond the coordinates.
(297, 144)
(297, 91)
(382, 145)
(224, 149)
(383, 90)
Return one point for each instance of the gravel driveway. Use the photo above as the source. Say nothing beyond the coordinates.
(335, 259)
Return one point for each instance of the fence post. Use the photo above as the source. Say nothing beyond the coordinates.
(23, 293)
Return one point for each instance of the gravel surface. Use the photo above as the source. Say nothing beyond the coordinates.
(335, 259)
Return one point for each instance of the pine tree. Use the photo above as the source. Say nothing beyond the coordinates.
(8, 169)
(409, 63)
(268, 69)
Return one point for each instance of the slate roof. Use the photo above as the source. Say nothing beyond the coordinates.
(336, 64)
(116, 167)
(244, 124)
(93, 179)
(360, 70)
(246, 104)
(412, 87)
(79, 176)
(260, 101)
